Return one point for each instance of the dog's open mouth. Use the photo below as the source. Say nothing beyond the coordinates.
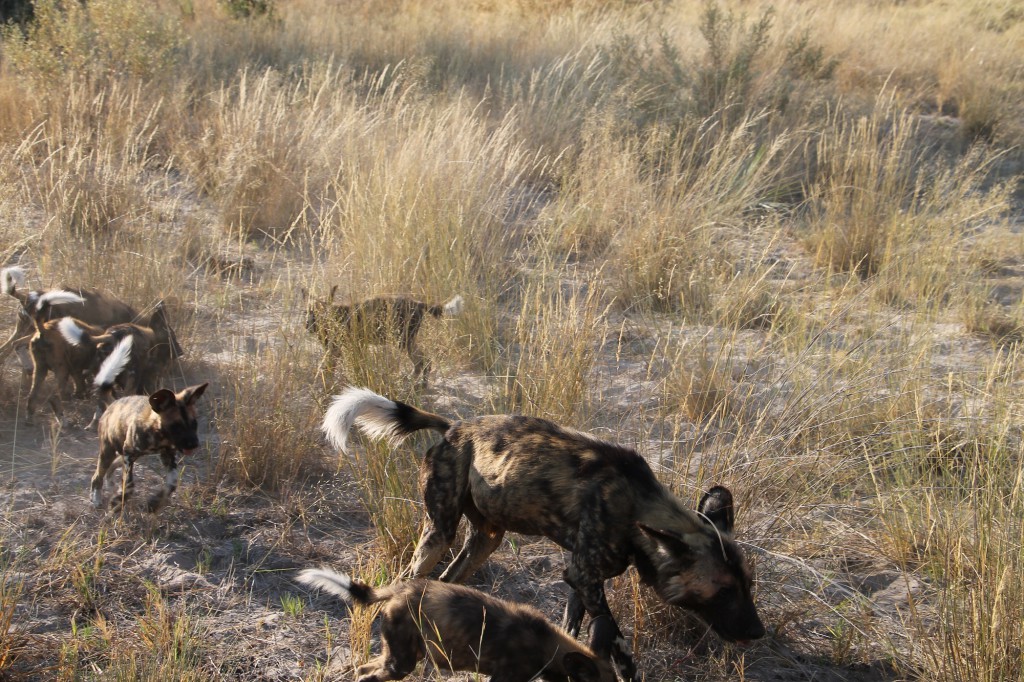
(188, 451)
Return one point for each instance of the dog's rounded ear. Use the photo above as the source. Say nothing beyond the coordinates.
(192, 393)
(162, 400)
(670, 540)
(580, 667)
(717, 506)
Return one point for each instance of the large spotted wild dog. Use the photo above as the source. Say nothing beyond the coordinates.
(599, 500)
(459, 628)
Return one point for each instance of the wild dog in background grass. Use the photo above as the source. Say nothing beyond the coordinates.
(459, 628)
(377, 320)
(140, 364)
(49, 352)
(163, 423)
(94, 308)
(599, 500)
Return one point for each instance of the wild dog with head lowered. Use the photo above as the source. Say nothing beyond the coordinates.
(599, 500)
(94, 307)
(459, 628)
(163, 423)
(377, 320)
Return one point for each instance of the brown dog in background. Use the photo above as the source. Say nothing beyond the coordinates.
(459, 628)
(95, 308)
(139, 363)
(378, 320)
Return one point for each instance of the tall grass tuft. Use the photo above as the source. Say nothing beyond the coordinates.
(268, 426)
(553, 351)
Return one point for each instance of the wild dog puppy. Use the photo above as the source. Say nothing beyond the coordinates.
(162, 423)
(459, 628)
(95, 308)
(151, 353)
(380, 320)
(49, 352)
(599, 500)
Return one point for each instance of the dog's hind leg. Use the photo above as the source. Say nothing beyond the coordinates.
(119, 499)
(444, 489)
(420, 364)
(104, 462)
(157, 500)
(39, 371)
(434, 542)
(481, 541)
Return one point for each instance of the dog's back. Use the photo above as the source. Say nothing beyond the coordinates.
(377, 320)
(461, 628)
(96, 308)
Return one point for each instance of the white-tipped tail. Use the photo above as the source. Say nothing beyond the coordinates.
(115, 363)
(57, 297)
(12, 278)
(70, 330)
(374, 414)
(336, 583)
(453, 307)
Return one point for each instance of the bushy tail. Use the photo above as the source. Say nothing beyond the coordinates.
(340, 585)
(52, 298)
(12, 278)
(450, 309)
(115, 363)
(71, 332)
(376, 416)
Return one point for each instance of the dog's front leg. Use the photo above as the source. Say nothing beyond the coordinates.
(591, 595)
(572, 621)
(157, 500)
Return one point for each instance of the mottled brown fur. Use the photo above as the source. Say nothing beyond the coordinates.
(153, 350)
(378, 320)
(162, 423)
(50, 352)
(599, 500)
(99, 309)
(459, 628)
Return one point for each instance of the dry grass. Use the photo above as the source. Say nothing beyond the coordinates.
(772, 247)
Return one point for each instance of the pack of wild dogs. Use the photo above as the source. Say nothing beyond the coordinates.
(599, 501)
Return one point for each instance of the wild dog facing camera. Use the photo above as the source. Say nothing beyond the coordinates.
(162, 423)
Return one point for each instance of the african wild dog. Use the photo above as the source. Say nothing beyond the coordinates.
(50, 353)
(599, 500)
(459, 628)
(151, 352)
(162, 423)
(378, 320)
(95, 308)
